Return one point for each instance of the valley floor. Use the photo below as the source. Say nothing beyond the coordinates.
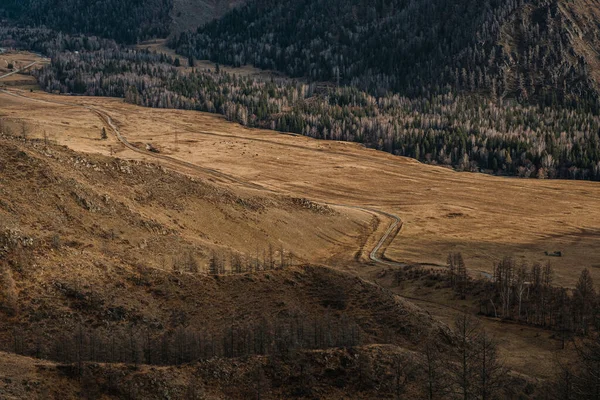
(442, 211)
(484, 217)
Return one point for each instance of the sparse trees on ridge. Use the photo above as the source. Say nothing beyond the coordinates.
(234, 263)
(527, 295)
(470, 369)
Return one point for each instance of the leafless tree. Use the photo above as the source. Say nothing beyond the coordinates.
(270, 262)
(581, 379)
(436, 376)
(520, 286)
(24, 130)
(451, 269)
(404, 370)
(491, 371)
(584, 298)
(260, 382)
(214, 267)
(191, 263)
(236, 263)
(365, 371)
(282, 260)
(504, 276)
(463, 372)
(458, 273)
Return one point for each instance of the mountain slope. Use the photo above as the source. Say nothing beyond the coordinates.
(144, 212)
(103, 248)
(366, 372)
(190, 14)
(536, 50)
(551, 52)
(127, 21)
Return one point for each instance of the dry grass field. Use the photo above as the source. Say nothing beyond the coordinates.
(19, 59)
(484, 217)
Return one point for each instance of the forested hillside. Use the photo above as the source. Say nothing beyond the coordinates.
(537, 50)
(127, 21)
(505, 87)
(190, 14)
(470, 133)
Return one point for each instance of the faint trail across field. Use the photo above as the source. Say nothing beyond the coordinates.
(374, 256)
(394, 228)
(19, 70)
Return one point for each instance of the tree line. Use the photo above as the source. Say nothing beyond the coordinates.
(523, 293)
(527, 294)
(128, 343)
(518, 292)
(231, 263)
(465, 132)
(471, 367)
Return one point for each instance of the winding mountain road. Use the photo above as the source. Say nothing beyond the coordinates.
(391, 232)
(396, 223)
(375, 256)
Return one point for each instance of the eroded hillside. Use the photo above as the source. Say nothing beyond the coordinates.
(552, 48)
(103, 260)
(102, 244)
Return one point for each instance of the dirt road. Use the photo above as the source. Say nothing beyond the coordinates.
(393, 229)
(19, 70)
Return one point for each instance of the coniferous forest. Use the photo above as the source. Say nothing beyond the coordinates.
(126, 21)
(410, 47)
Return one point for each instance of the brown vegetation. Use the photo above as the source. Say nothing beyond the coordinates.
(496, 217)
(122, 259)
